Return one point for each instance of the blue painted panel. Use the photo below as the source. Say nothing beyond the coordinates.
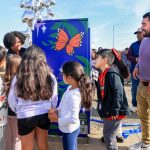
(64, 40)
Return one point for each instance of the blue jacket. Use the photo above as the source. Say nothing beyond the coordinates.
(133, 53)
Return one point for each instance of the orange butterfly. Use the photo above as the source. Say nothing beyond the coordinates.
(63, 41)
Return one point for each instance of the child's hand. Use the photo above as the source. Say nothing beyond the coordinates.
(52, 111)
(2, 98)
(114, 117)
(53, 117)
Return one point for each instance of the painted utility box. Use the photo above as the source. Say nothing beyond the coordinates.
(64, 40)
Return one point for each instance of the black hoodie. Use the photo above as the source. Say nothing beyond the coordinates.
(114, 102)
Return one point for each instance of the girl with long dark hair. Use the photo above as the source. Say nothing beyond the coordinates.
(78, 94)
(13, 140)
(32, 93)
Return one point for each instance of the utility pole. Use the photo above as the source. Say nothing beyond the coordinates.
(113, 36)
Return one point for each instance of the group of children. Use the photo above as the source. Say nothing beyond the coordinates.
(30, 89)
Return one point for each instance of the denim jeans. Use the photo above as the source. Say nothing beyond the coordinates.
(135, 83)
(70, 140)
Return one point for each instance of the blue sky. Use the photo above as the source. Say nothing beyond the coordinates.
(125, 15)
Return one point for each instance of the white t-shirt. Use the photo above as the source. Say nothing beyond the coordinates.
(68, 111)
(28, 108)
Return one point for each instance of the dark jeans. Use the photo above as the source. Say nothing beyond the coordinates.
(70, 140)
(135, 84)
(110, 130)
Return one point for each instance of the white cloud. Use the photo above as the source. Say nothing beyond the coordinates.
(120, 4)
(141, 7)
(98, 34)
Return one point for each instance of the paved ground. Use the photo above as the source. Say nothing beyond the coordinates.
(94, 142)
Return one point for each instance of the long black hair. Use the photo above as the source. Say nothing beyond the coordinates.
(114, 59)
(76, 71)
(10, 38)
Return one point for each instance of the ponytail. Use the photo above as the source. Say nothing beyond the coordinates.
(123, 70)
(85, 87)
(76, 71)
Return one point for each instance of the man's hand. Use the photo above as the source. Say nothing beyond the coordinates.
(135, 73)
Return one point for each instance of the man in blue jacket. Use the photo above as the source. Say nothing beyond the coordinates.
(132, 56)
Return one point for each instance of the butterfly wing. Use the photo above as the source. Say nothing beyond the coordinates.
(74, 42)
(69, 49)
(62, 39)
(59, 45)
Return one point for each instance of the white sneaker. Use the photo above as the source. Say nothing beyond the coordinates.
(133, 109)
(139, 146)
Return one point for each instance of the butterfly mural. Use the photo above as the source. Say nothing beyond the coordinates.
(63, 41)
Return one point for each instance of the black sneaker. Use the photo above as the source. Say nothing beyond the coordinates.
(120, 139)
(102, 139)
